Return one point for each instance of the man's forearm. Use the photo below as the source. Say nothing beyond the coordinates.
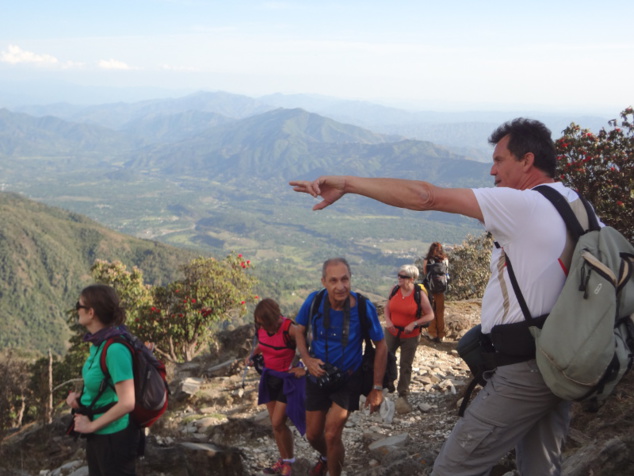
(415, 195)
(410, 194)
(380, 362)
(300, 341)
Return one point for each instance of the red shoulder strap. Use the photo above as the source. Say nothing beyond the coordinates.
(285, 327)
(109, 342)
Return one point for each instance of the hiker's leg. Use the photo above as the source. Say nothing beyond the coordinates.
(335, 421)
(539, 452)
(391, 341)
(439, 315)
(503, 412)
(432, 330)
(408, 352)
(113, 454)
(315, 423)
(281, 432)
(392, 344)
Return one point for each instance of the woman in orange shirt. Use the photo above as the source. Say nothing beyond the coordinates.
(403, 321)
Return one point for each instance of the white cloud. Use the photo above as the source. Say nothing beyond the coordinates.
(15, 55)
(113, 64)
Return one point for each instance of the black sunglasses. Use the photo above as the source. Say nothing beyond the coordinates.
(79, 306)
(404, 277)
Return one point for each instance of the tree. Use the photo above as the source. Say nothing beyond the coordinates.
(601, 167)
(178, 318)
(132, 291)
(14, 391)
(179, 321)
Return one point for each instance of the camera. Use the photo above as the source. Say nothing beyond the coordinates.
(332, 378)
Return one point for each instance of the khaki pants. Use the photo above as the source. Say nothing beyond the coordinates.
(514, 410)
(437, 326)
(408, 351)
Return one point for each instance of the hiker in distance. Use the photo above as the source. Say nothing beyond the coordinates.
(435, 271)
(515, 408)
(282, 385)
(112, 440)
(330, 345)
(406, 311)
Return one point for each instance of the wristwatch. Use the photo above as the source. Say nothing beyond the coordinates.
(377, 387)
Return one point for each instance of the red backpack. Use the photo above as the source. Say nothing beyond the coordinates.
(150, 384)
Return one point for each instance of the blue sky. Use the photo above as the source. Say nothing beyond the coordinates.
(555, 55)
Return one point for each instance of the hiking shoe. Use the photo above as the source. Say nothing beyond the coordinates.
(287, 469)
(276, 468)
(320, 469)
(402, 405)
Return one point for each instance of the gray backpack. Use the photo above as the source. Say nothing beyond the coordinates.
(586, 344)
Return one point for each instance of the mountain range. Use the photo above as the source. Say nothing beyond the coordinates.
(208, 173)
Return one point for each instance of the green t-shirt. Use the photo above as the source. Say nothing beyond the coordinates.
(119, 363)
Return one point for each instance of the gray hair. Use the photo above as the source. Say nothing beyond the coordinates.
(330, 261)
(410, 270)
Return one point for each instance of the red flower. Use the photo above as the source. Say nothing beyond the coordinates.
(240, 256)
(193, 301)
(243, 302)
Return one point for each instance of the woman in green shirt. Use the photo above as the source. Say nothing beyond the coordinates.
(111, 439)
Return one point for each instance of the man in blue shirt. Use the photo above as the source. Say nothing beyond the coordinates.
(337, 337)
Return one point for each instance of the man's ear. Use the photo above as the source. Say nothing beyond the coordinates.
(529, 160)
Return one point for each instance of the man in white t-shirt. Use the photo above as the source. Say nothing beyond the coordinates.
(515, 409)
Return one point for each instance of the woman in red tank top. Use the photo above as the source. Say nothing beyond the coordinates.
(276, 343)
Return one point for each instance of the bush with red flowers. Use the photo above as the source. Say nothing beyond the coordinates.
(601, 167)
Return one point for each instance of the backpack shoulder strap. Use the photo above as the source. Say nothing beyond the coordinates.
(572, 225)
(564, 209)
(119, 340)
(314, 308)
(285, 330)
(363, 316)
(419, 308)
(394, 291)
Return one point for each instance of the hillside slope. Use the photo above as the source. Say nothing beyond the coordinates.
(45, 259)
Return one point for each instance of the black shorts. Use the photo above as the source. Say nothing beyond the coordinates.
(113, 454)
(276, 389)
(346, 395)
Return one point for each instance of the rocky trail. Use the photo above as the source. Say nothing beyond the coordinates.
(215, 427)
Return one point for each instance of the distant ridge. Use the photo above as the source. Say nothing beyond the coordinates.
(283, 144)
